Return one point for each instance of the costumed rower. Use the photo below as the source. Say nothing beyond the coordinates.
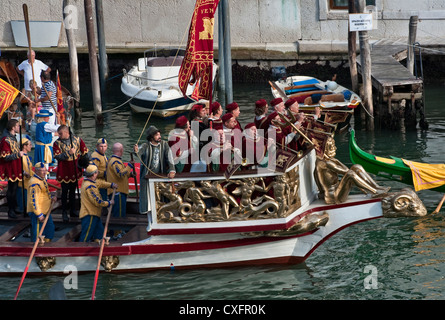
(67, 150)
(196, 117)
(118, 173)
(27, 174)
(100, 159)
(91, 205)
(39, 203)
(183, 144)
(254, 147)
(233, 108)
(216, 112)
(156, 158)
(261, 108)
(10, 164)
(43, 151)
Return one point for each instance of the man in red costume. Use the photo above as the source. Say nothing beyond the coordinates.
(254, 146)
(233, 108)
(261, 108)
(182, 142)
(67, 150)
(10, 164)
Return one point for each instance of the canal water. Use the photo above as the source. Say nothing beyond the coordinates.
(399, 258)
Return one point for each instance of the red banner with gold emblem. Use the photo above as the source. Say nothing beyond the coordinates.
(7, 96)
(197, 66)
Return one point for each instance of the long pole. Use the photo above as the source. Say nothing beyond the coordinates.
(70, 26)
(33, 251)
(103, 60)
(352, 51)
(224, 4)
(28, 34)
(102, 243)
(411, 40)
(94, 70)
(365, 55)
(221, 60)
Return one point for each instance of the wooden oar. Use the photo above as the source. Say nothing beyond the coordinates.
(282, 116)
(28, 34)
(280, 91)
(33, 251)
(102, 243)
(440, 205)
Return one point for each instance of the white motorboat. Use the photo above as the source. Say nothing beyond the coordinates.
(152, 84)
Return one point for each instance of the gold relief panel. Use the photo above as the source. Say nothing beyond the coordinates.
(228, 200)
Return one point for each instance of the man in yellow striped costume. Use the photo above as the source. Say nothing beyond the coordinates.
(118, 173)
(27, 173)
(91, 205)
(100, 159)
(39, 203)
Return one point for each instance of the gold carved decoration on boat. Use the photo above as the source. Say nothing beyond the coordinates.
(45, 263)
(223, 200)
(109, 262)
(308, 223)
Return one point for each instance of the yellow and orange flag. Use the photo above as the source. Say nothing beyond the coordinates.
(7, 95)
(197, 66)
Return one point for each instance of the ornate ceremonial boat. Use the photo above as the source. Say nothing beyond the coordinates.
(200, 220)
(152, 84)
(392, 168)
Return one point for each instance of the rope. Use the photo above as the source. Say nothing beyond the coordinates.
(148, 169)
(154, 105)
(122, 104)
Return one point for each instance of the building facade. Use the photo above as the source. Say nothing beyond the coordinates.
(260, 29)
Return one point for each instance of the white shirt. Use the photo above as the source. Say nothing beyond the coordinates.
(38, 66)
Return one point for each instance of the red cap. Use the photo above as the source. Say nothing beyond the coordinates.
(198, 106)
(276, 101)
(249, 125)
(215, 106)
(217, 125)
(227, 117)
(232, 106)
(181, 121)
(260, 103)
(272, 116)
(290, 102)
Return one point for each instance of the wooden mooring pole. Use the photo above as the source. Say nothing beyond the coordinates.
(94, 70)
(103, 59)
(411, 40)
(70, 23)
(224, 4)
(221, 60)
(365, 55)
(352, 57)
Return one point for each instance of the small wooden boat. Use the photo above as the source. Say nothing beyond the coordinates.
(392, 168)
(256, 217)
(333, 99)
(152, 84)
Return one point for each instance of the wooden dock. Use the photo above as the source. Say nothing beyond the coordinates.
(393, 84)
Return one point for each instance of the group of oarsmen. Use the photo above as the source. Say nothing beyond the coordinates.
(102, 175)
(217, 133)
(220, 138)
